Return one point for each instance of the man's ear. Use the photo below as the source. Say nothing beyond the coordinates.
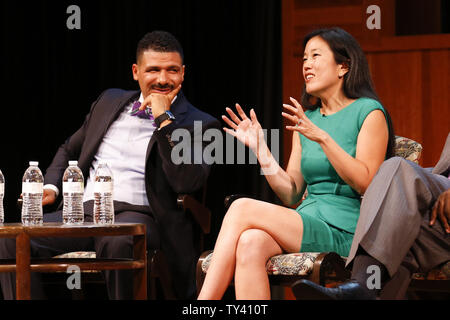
(135, 71)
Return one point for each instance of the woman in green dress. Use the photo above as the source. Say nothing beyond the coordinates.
(338, 145)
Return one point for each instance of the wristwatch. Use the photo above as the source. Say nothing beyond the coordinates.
(165, 116)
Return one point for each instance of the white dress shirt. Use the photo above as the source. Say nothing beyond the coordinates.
(124, 148)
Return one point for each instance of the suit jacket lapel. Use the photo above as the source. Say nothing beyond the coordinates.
(117, 109)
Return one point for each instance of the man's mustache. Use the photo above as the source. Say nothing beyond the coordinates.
(162, 87)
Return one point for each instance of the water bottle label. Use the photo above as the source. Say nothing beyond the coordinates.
(103, 187)
(2, 188)
(32, 187)
(73, 187)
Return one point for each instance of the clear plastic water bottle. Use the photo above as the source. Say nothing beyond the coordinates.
(2, 193)
(73, 190)
(103, 195)
(32, 189)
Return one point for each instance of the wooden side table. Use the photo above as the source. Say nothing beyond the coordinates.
(23, 265)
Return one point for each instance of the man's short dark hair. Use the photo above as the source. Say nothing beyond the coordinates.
(159, 41)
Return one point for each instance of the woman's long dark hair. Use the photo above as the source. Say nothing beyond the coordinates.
(357, 81)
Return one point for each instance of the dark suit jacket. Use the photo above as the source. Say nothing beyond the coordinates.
(164, 179)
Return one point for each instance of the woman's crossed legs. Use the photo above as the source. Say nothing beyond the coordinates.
(252, 232)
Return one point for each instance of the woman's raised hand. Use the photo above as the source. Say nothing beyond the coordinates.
(301, 122)
(245, 129)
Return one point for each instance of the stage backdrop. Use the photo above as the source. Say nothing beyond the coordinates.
(51, 74)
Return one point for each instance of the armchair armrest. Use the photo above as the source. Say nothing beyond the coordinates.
(19, 204)
(202, 215)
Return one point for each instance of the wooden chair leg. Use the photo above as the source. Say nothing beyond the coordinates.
(159, 270)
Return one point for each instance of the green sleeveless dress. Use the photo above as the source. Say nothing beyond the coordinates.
(331, 209)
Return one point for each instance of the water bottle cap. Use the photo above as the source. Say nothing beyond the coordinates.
(34, 163)
(73, 163)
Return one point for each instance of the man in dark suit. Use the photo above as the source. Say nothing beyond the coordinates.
(397, 233)
(137, 144)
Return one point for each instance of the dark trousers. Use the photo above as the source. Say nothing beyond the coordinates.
(119, 283)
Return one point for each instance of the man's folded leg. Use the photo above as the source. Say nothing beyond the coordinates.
(120, 283)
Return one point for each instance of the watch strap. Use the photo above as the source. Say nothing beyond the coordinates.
(163, 117)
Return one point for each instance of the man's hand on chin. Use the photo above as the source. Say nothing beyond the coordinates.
(159, 102)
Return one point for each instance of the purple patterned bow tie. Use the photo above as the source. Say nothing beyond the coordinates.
(144, 114)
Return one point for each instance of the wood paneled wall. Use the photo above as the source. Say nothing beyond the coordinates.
(411, 73)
